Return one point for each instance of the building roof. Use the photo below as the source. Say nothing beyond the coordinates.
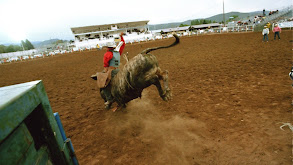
(107, 27)
(206, 25)
(175, 29)
(168, 30)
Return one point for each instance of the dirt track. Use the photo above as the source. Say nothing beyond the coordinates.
(230, 93)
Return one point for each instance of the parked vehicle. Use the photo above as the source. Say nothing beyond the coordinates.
(57, 51)
(25, 57)
(38, 55)
(13, 59)
(51, 53)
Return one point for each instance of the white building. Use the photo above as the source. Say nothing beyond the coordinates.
(90, 36)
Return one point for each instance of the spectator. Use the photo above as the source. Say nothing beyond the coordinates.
(277, 30)
(268, 25)
(265, 33)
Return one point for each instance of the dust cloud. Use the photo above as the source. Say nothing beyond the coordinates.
(174, 138)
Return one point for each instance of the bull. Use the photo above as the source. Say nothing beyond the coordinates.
(137, 74)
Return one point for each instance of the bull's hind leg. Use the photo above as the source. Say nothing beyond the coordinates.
(165, 93)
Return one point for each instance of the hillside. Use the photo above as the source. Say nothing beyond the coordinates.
(39, 44)
(217, 18)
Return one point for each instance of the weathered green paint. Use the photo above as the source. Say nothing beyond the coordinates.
(15, 147)
(29, 133)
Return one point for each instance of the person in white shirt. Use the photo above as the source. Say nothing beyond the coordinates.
(265, 33)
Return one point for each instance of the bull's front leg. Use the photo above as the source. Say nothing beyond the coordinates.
(165, 93)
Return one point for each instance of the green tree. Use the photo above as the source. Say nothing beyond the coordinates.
(29, 45)
(195, 22)
(24, 45)
(182, 25)
(201, 21)
(2, 48)
(10, 48)
(17, 48)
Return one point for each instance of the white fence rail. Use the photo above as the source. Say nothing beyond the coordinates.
(19, 53)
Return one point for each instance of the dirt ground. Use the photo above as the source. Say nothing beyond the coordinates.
(231, 94)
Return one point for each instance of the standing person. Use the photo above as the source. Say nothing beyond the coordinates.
(268, 25)
(111, 64)
(265, 33)
(277, 30)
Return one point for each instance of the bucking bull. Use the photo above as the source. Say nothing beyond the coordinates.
(137, 74)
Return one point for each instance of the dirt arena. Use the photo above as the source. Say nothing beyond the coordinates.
(231, 94)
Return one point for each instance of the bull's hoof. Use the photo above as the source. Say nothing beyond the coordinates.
(167, 96)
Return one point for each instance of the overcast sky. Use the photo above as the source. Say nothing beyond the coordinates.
(39, 20)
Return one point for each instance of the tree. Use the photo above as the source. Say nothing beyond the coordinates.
(29, 44)
(2, 48)
(24, 45)
(182, 25)
(195, 22)
(201, 21)
(17, 48)
(10, 48)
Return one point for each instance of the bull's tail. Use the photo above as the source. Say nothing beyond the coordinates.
(146, 51)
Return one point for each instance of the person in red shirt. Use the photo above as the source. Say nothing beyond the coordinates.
(112, 51)
(112, 61)
(277, 30)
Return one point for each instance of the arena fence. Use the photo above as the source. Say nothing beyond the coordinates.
(244, 28)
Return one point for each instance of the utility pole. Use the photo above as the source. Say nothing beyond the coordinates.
(223, 13)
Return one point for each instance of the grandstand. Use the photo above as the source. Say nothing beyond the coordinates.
(278, 16)
(90, 36)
